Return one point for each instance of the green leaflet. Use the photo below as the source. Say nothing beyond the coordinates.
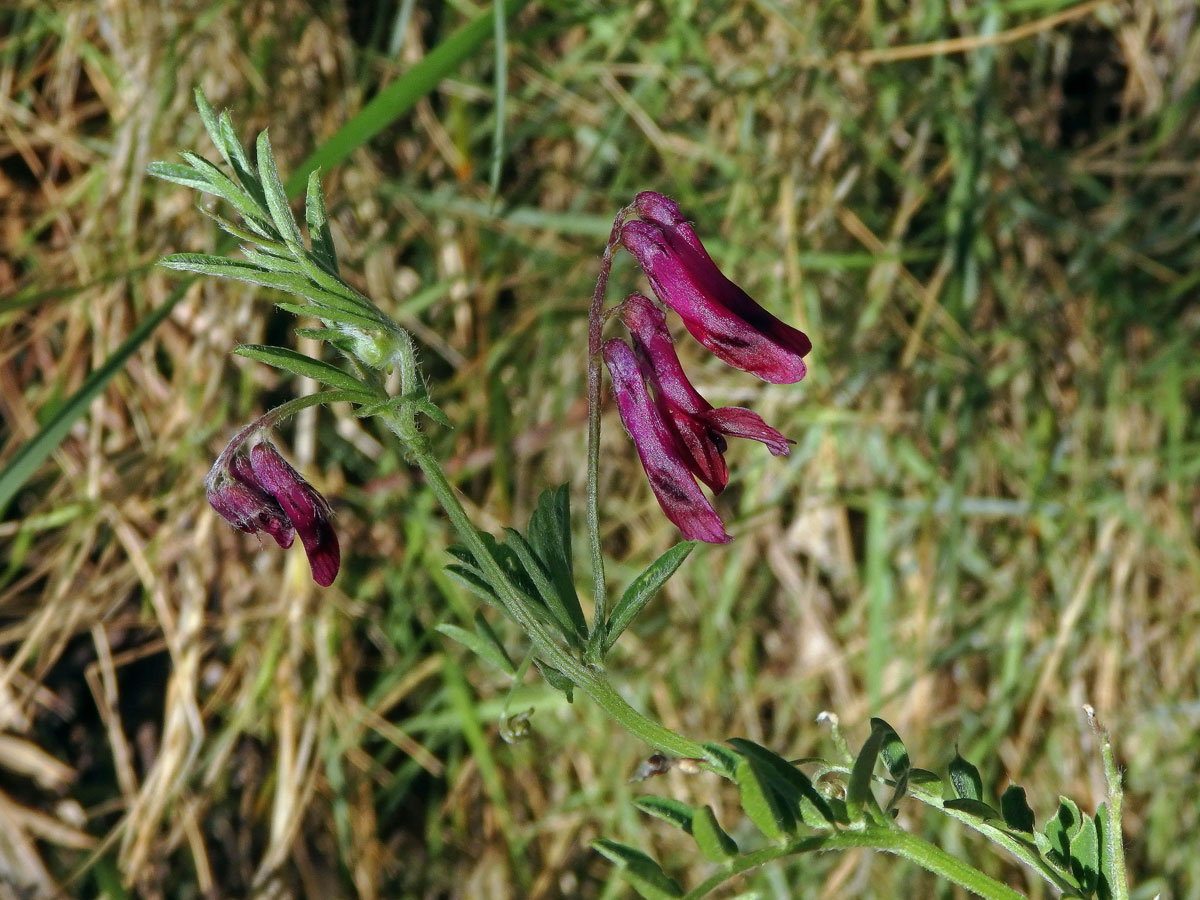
(974, 807)
(714, 843)
(568, 613)
(965, 779)
(676, 812)
(762, 803)
(307, 367)
(643, 873)
(1016, 810)
(643, 589)
(792, 785)
(180, 174)
(721, 758)
(891, 749)
(486, 648)
(549, 536)
(319, 234)
(1085, 855)
(277, 200)
(557, 680)
(221, 185)
(858, 789)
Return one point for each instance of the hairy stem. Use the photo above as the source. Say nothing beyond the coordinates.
(1114, 853)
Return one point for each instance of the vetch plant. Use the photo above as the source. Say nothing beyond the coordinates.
(851, 800)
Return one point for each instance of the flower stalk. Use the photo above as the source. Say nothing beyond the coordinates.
(594, 385)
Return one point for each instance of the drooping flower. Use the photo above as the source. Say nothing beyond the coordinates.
(262, 492)
(663, 457)
(718, 313)
(699, 427)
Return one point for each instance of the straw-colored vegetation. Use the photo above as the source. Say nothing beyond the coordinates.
(984, 214)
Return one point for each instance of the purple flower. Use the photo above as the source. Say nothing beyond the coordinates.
(663, 457)
(718, 313)
(241, 501)
(263, 492)
(699, 427)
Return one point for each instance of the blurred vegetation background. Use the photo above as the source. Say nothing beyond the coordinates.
(985, 215)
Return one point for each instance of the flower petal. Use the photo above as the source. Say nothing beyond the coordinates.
(718, 313)
(241, 501)
(272, 520)
(662, 458)
(304, 506)
(655, 349)
(677, 400)
(699, 426)
(736, 421)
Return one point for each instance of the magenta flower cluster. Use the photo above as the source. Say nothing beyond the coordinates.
(679, 436)
(260, 491)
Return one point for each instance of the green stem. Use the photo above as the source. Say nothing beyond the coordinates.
(589, 679)
(1114, 853)
(874, 837)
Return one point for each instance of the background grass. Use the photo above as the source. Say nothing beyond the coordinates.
(985, 215)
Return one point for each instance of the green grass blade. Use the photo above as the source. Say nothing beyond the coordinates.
(14, 475)
(401, 95)
(501, 49)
